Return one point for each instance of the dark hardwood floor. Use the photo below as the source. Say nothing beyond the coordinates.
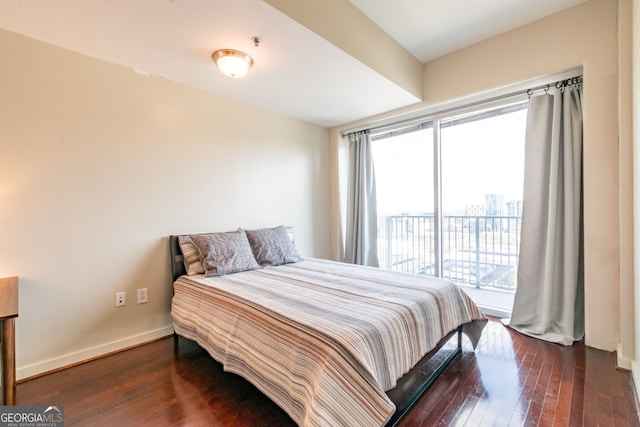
(509, 380)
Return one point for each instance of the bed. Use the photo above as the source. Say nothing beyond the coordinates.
(328, 342)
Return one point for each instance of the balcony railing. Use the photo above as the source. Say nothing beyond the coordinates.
(480, 251)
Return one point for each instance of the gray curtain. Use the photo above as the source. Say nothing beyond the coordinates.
(549, 300)
(361, 246)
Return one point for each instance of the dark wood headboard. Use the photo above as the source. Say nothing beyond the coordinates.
(177, 260)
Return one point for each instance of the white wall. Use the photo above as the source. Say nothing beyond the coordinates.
(583, 36)
(626, 351)
(98, 165)
(636, 179)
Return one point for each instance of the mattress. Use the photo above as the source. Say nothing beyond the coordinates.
(324, 340)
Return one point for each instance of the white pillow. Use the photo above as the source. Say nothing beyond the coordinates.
(192, 260)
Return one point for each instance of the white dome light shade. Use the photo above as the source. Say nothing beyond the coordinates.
(232, 63)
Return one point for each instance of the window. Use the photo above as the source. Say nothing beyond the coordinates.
(403, 165)
(449, 193)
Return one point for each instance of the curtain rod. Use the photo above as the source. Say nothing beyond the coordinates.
(560, 84)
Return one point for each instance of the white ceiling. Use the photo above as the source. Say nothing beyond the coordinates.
(432, 28)
(296, 72)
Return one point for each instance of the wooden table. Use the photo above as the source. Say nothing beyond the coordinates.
(8, 314)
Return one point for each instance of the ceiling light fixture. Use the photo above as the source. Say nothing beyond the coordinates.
(231, 62)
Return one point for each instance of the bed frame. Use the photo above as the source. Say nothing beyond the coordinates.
(405, 395)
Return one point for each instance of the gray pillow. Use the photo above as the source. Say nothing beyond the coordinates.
(273, 246)
(224, 253)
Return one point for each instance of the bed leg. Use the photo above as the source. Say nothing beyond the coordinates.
(176, 342)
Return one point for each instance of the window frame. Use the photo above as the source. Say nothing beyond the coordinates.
(478, 111)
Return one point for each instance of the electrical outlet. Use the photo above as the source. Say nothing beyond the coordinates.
(142, 296)
(121, 299)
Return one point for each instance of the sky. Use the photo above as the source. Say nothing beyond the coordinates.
(480, 157)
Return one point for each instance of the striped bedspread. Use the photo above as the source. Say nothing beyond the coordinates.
(324, 340)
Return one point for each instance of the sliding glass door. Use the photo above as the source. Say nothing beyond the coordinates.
(403, 163)
(450, 200)
(482, 178)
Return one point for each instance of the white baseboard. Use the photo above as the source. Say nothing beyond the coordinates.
(90, 353)
(623, 362)
(495, 312)
(635, 374)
